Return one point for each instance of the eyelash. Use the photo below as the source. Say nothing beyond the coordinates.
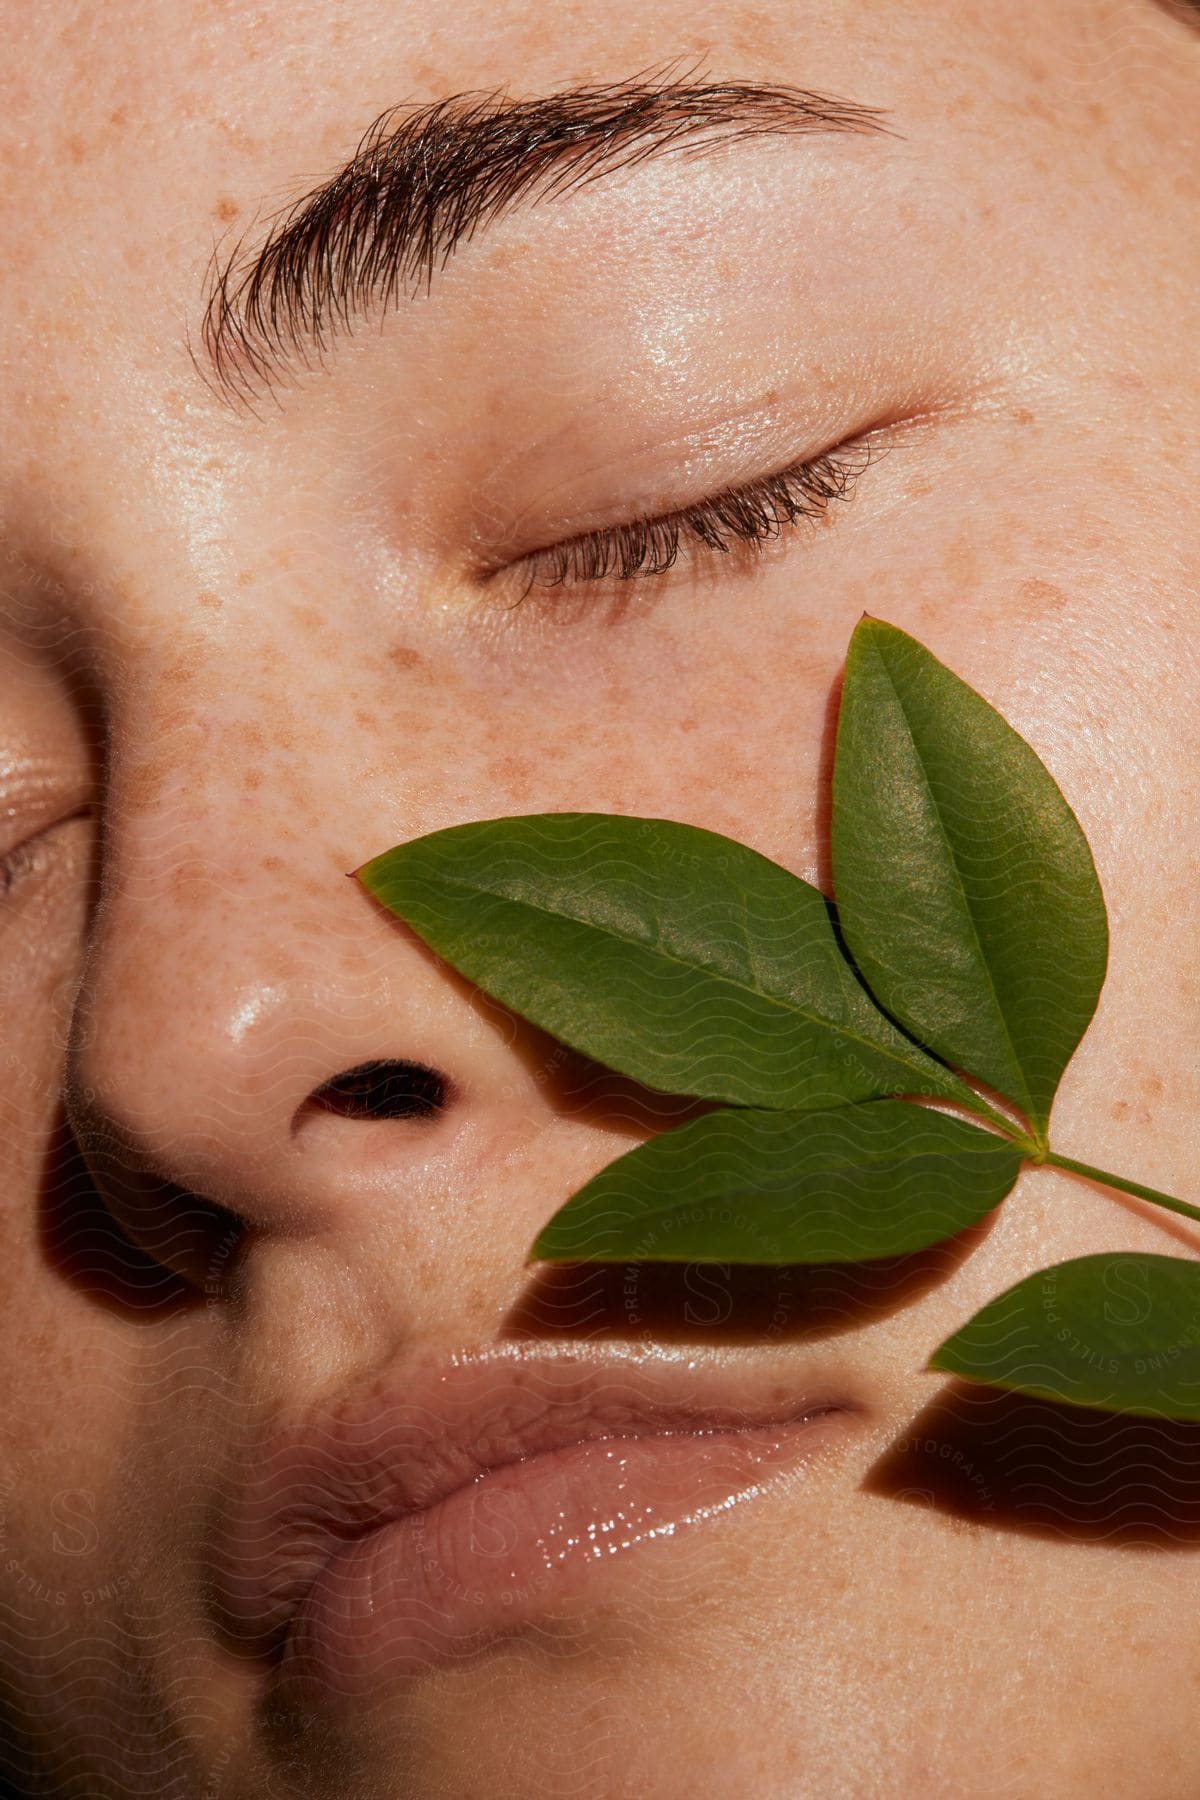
(749, 515)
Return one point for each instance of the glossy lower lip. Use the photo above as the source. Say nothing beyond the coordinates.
(530, 1540)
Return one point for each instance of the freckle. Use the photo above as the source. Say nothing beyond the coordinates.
(960, 562)
(403, 657)
(252, 779)
(1152, 1085)
(245, 577)
(273, 864)
(143, 784)
(918, 488)
(1037, 597)
(225, 210)
(1119, 1109)
(180, 670)
(119, 118)
(206, 598)
(511, 768)
(687, 724)
(240, 139)
(75, 148)
(1021, 415)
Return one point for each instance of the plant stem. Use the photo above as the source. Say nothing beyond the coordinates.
(973, 1102)
(1126, 1187)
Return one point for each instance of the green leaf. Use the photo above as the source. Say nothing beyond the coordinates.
(751, 1186)
(1119, 1331)
(672, 954)
(965, 887)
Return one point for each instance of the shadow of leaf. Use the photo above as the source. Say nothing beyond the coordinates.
(992, 1458)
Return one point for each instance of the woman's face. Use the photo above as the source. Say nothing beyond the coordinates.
(258, 611)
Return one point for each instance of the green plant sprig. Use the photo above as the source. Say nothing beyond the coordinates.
(969, 944)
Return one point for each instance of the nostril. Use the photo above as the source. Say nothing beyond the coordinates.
(383, 1090)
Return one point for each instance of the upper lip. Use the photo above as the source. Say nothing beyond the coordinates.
(412, 1435)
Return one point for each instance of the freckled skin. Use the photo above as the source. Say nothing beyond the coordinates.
(293, 668)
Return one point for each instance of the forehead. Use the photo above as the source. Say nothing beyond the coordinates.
(139, 146)
(134, 140)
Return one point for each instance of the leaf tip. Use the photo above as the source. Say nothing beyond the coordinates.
(551, 1246)
(368, 873)
(541, 1250)
(869, 630)
(941, 1361)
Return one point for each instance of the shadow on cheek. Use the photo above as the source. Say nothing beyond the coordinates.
(83, 1244)
(722, 1303)
(1050, 1470)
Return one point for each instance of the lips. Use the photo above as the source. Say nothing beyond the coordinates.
(404, 1520)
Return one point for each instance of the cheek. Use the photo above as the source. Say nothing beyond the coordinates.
(715, 711)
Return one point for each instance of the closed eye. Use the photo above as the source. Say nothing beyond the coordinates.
(29, 859)
(750, 514)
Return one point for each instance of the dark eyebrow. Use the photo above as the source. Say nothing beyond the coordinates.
(425, 179)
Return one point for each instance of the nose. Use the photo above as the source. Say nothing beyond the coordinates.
(259, 1047)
